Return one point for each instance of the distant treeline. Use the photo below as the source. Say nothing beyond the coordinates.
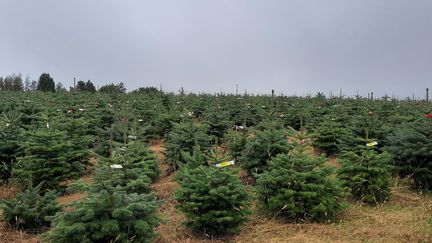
(46, 83)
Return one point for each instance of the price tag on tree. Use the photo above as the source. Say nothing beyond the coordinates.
(371, 144)
(225, 164)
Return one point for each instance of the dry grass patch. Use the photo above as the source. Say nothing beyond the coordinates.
(8, 234)
(68, 198)
(332, 162)
(405, 218)
(8, 191)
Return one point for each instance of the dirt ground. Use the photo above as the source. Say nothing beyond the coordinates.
(406, 217)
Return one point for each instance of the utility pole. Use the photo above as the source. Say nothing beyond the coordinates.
(236, 89)
(427, 94)
(74, 85)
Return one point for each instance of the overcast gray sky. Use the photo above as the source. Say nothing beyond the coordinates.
(294, 47)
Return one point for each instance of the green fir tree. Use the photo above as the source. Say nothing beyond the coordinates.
(107, 214)
(31, 209)
(263, 146)
(236, 143)
(367, 175)
(213, 199)
(9, 143)
(329, 136)
(48, 156)
(298, 187)
(411, 150)
(183, 138)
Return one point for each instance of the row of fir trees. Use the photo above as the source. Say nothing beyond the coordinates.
(49, 140)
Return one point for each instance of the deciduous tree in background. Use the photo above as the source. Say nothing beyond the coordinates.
(113, 88)
(12, 83)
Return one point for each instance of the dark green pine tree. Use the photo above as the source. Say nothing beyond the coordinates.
(367, 175)
(30, 209)
(183, 138)
(263, 146)
(298, 187)
(46, 83)
(107, 214)
(411, 150)
(50, 157)
(213, 199)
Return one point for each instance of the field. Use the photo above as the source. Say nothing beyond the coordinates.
(148, 135)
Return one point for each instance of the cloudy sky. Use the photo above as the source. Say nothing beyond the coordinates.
(292, 46)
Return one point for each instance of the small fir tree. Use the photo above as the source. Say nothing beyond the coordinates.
(139, 156)
(50, 157)
(262, 148)
(213, 199)
(298, 187)
(183, 138)
(218, 122)
(329, 136)
(236, 142)
(30, 209)
(367, 175)
(107, 214)
(411, 150)
(9, 143)
(138, 168)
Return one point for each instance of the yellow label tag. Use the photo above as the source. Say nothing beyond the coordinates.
(371, 144)
(225, 164)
